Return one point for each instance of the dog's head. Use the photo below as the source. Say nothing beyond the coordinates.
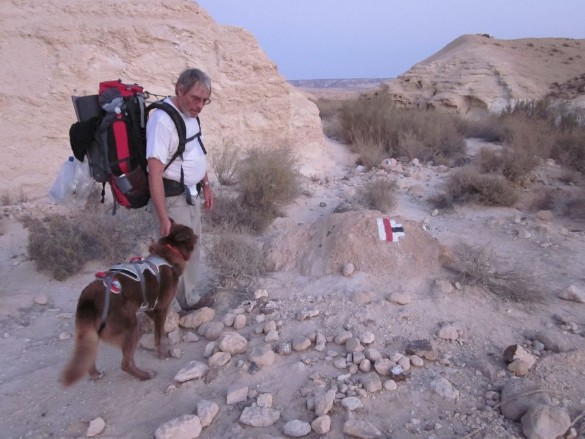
(181, 238)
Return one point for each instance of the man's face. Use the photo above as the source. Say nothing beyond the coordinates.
(192, 101)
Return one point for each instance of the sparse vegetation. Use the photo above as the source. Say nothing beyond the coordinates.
(376, 129)
(267, 180)
(480, 266)
(467, 185)
(237, 262)
(226, 161)
(378, 194)
(61, 244)
(10, 199)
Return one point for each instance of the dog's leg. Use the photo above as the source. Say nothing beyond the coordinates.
(159, 316)
(128, 349)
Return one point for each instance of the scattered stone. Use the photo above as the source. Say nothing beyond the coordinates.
(545, 422)
(324, 402)
(272, 336)
(301, 343)
(448, 332)
(399, 298)
(96, 426)
(194, 319)
(211, 330)
(342, 337)
(442, 387)
(219, 359)
(175, 353)
(520, 361)
(348, 269)
(444, 286)
(307, 313)
(365, 365)
(259, 294)
(255, 416)
(353, 345)
(361, 429)
(190, 337)
(552, 341)
(371, 382)
(264, 400)
(65, 336)
(206, 411)
(351, 403)
(297, 428)
(239, 321)
(372, 354)
(284, 348)
(228, 319)
(519, 395)
(147, 341)
(42, 299)
(390, 385)
(367, 337)
(573, 293)
(183, 427)
(232, 343)
(320, 342)
(416, 361)
(422, 348)
(321, 425)
(262, 355)
(171, 321)
(194, 370)
(545, 215)
(237, 393)
(363, 297)
(384, 366)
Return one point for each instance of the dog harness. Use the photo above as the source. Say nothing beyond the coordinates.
(134, 269)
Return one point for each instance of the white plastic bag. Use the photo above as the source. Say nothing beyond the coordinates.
(73, 183)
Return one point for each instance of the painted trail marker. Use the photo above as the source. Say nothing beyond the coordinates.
(390, 230)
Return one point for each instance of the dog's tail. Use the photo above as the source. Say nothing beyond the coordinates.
(86, 345)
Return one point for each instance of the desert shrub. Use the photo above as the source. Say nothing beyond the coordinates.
(225, 162)
(236, 260)
(544, 129)
(487, 128)
(232, 215)
(575, 208)
(378, 194)
(10, 198)
(61, 244)
(373, 125)
(329, 114)
(268, 178)
(466, 185)
(480, 266)
(489, 161)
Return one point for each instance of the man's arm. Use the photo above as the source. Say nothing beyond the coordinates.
(157, 193)
(207, 193)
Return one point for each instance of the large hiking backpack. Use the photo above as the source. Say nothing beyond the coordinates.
(111, 133)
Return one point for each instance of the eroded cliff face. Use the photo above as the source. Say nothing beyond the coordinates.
(52, 50)
(477, 73)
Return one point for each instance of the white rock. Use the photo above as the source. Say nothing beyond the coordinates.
(96, 426)
(351, 403)
(194, 370)
(448, 332)
(183, 427)
(297, 428)
(255, 416)
(573, 293)
(400, 298)
(206, 411)
(444, 388)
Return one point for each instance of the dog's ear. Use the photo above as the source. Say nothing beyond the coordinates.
(183, 234)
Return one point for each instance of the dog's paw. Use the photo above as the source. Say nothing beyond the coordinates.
(151, 374)
(96, 375)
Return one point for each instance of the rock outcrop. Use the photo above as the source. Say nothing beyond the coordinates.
(55, 49)
(477, 73)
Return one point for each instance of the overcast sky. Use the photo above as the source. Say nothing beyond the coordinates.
(329, 39)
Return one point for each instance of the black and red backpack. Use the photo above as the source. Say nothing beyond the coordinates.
(111, 134)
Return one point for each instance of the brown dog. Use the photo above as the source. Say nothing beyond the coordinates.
(106, 311)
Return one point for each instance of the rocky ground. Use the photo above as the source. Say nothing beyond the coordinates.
(352, 336)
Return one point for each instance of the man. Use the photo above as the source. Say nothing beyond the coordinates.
(173, 188)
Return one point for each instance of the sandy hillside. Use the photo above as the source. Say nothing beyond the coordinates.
(397, 295)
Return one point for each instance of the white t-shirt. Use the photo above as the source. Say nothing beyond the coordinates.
(162, 140)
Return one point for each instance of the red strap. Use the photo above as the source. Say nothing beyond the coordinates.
(121, 142)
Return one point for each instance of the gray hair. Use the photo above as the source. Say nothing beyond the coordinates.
(188, 78)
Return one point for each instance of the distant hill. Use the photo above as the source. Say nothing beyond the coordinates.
(351, 84)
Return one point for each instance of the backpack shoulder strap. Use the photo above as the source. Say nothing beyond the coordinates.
(179, 125)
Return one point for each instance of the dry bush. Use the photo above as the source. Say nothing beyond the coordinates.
(378, 194)
(231, 215)
(237, 262)
(487, 128)
(61, 244)
(466, 185)
(575, 208)
(11, 199)
(268, 179)
(480, 266)
(489, 161)
(372, 125)
(225, 162)
(329, 114)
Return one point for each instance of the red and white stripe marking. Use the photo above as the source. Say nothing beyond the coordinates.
(389, 230)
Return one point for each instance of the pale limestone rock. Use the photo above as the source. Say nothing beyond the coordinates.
(296, 428)
(362, 429)
(183, 427)
(573, 293)
(171, 321)
(236, 393)
(96, 426)
(206, 411)
(400, 298)
(324, 402)
(233, 343)
(262, 355)
(545, 422)
(240, 322)
(444, 388)
(194, 319)
(192, 371)
(255, 416)
(219, 359)
(321, 424)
